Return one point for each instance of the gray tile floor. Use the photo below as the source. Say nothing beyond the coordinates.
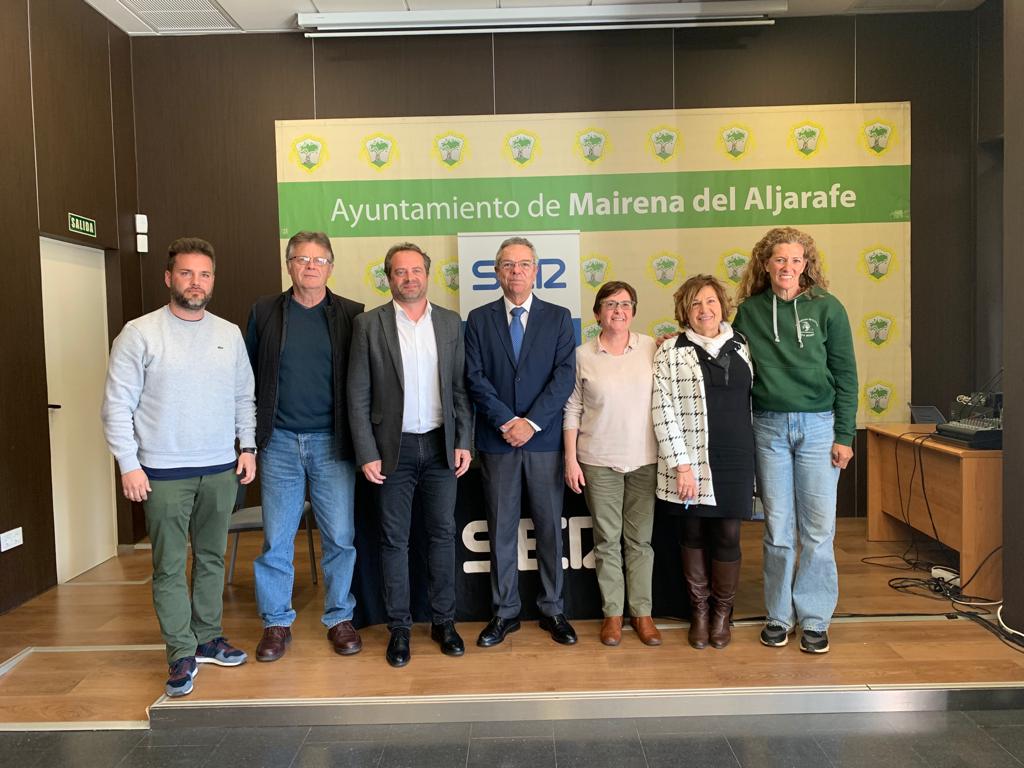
(987, 739)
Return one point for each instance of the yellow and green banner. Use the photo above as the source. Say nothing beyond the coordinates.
(656, 195)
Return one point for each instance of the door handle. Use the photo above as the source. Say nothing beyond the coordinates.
(53, 406)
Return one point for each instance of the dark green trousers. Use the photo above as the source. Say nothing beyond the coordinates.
(196, 508)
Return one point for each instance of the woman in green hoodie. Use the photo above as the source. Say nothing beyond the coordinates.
(804, 413)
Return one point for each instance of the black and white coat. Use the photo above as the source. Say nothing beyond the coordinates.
(681, 420)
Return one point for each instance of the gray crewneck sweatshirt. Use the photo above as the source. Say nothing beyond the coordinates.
(178, 393)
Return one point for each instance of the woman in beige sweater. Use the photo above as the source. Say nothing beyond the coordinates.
(611, 457)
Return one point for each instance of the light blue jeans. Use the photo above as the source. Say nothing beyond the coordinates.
(798, 489)
(288, 461)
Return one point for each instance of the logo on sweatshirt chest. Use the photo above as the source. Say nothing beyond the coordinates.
(809, 327)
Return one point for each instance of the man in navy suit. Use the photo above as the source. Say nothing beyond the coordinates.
(520, 370)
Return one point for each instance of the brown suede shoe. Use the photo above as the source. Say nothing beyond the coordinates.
(611, 630)
(273, 644)
(645, 630)
(345, 639)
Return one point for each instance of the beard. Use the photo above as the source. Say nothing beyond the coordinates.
(185, 302)
(411, 291)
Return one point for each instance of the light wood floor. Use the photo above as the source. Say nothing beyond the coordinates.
(90, 676)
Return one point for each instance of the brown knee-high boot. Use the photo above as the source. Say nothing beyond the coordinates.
(696, 572)
(725, 577)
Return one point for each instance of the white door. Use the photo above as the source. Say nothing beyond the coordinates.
(75, 331)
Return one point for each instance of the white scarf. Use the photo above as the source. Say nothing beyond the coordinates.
(711, 344)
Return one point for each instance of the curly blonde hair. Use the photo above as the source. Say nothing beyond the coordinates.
(687, 292)
(755, 277)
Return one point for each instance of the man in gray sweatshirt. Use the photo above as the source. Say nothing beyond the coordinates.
(179, 392)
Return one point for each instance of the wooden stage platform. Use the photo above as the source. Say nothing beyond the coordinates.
(88, 655)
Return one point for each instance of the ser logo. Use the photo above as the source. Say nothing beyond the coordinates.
(475, 539)
(549, 274)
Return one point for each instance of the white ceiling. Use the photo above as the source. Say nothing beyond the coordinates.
(224, 16)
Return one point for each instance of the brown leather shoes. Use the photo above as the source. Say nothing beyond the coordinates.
(611, 630)
(273, 644)
(645, 630)
(345, 639)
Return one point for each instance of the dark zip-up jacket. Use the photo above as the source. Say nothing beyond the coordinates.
(264, 339)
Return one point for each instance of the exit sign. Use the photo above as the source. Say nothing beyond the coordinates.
(81, 225)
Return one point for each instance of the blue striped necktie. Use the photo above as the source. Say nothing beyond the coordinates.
(516, 330)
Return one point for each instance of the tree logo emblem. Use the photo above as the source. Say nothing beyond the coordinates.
(448, 276)
(592, 144)
(877, 136)
(377, 278)
(808, 326)
(807, 138)
(732, 265)
(735, 140)
(522, 147)
(591, 331)
(878, 395)
(450, 149)
(664, 266)
(663, 326)
(664, 142)
(877, 262)
(308, 152)
(595, 271)
(878, 327)
(379, 150)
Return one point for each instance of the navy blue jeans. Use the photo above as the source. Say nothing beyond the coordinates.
(288, 462)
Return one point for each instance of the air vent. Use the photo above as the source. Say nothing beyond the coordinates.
(181, 16)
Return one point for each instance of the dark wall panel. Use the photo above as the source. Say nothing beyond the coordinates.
(990, 70)
(127, 274)
(205, 108)
(71, 93)
(583, 71)
(26, 500)
(123, 267)
(1013, 318)
(795, 61)
(939, 88)
(402, 76)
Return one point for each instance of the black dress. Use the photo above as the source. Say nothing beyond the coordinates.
(727, 384)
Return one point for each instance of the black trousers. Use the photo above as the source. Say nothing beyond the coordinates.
(422, 473)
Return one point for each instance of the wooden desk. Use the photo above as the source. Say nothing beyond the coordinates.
(964, 491)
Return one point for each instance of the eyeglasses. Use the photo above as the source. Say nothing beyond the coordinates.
(623, 305)
(508, 266)
(320, 261)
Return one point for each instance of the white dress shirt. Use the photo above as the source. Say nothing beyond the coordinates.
(525, 317)
(422, 386)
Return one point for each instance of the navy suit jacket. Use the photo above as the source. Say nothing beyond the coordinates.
(536, 388)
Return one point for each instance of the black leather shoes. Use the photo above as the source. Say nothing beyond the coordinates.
(444, 634)
(496, 630)
(398, 647)
(560, 629)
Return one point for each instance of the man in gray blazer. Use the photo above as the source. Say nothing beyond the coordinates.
(411, 422)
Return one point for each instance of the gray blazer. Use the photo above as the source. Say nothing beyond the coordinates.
(376, 385)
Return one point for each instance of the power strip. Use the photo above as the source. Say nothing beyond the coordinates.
(947, 575)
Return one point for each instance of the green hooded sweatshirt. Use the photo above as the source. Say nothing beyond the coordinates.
(803, 356)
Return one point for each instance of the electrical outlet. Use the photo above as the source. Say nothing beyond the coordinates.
(11, 539)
